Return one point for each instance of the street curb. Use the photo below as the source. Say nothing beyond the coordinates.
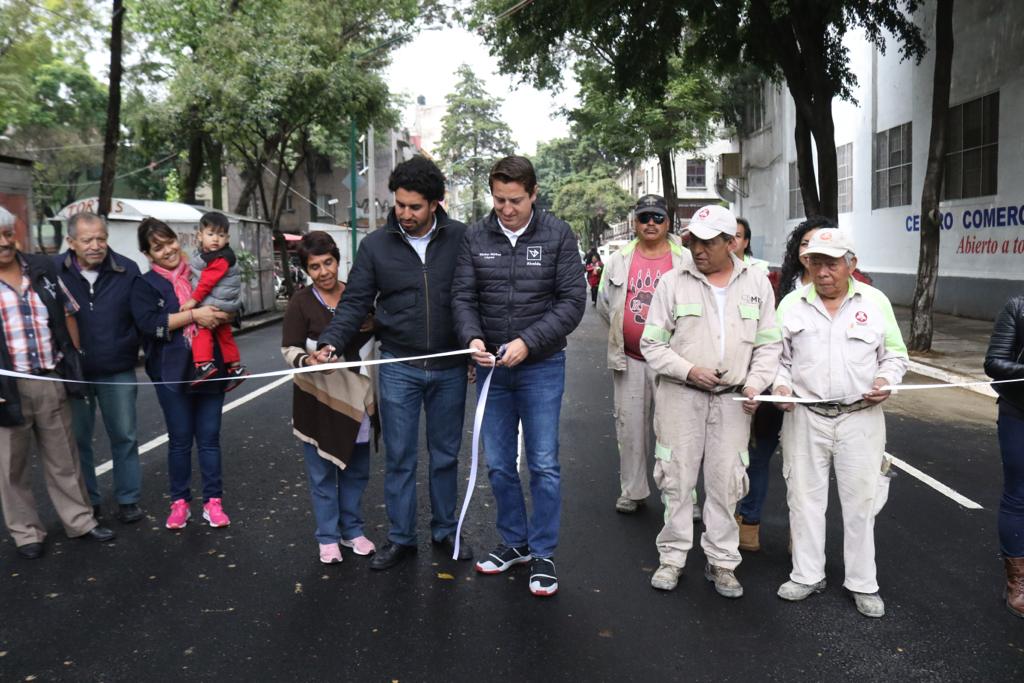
(948, 377)
(264, 321)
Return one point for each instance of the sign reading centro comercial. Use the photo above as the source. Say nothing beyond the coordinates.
(1010, 216)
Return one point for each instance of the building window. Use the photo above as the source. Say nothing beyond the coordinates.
(752, 115)
(972, 148)
(324, 207)
(844, 168)
(892, 164)
(696, 173)
(796, 199)
(288, 206)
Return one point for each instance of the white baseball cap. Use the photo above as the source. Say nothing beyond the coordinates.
(712, 220)
(830, 242)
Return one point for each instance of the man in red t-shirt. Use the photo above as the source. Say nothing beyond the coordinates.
(624, 297)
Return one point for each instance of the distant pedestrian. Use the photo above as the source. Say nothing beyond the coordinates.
(1005, 360)
(711, 337)
(841, 346)
(331, 411)
(518, 293)
(627, 288)
(101, 280)
(38, 336)
(741, 245)
(594, 270)
(217, 283)
(191, 414)
(406, 269)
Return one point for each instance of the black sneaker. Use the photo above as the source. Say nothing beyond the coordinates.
(503, 558)
(202, 372)
(237, 373)
(543, 580)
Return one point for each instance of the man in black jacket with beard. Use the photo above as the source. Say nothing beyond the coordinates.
(519, 290)
(406, 269)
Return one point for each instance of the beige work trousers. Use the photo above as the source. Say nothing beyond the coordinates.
(854, 445)
(695, 428)
(47, 414)
(634, 408)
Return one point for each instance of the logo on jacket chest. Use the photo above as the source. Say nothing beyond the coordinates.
(861, 317)
(534, 255)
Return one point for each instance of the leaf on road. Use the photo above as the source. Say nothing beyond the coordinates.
(298, 588)
(445, 575)
(604, 633)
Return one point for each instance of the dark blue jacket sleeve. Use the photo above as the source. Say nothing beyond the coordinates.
(151, 316)
(356, 303)
(569, 299)
(465, 296)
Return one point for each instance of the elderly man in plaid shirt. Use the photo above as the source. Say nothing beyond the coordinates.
(37, 337)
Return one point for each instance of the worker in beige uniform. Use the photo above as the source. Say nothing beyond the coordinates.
(623, 300)
(710, 336)
(840, 347)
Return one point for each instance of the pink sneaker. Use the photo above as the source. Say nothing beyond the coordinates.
(360, 545)
(330, 553)
(180, 514)
(214, 513)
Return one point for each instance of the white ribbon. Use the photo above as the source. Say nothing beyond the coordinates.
(478, 421)
(772, 398)
(320, 367)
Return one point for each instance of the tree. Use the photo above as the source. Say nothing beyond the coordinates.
(635, 126)
(793, 39)
(113, 125)
(558, 161)
(931, 220)
(473, 136)
(589, 203)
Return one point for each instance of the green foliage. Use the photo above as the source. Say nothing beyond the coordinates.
(473, 136)
(246, 265)
(557, 161)
(589, 204)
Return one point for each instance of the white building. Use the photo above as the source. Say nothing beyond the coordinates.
(882, 144)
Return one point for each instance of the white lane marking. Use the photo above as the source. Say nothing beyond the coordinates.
(162, 439)
(935, 484)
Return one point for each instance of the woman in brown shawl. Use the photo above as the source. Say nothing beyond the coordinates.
(331, 411)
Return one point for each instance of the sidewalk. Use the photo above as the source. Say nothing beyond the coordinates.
(255, 322)
(958, 349)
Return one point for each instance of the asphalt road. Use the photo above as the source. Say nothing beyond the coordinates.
(251, 602)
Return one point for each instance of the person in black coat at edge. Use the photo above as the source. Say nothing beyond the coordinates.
(1003, 361)
(38, 336)
(519, 291)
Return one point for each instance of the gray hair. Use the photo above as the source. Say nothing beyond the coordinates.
(7, 219)
(848, 257)
(85, 217)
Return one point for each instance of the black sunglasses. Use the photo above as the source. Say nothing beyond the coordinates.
(657, 218)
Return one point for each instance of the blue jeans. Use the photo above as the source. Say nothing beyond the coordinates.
(117, 406)
(531, 393)
(442, 393)
(1011, 505)
(337, 493)
(192, 417)
(758, 475)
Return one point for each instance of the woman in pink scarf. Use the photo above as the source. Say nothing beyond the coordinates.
(192, 415)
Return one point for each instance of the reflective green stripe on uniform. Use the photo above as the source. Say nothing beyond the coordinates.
(662, 452)
(768, 335)
(689, 309)
(656, 333)
(750, 312)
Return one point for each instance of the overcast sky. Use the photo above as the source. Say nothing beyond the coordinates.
(426, 66)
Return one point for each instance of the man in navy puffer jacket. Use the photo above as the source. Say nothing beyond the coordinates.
(101, 281)
(519, 290)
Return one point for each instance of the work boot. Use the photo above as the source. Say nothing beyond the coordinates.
(725, 581)
(1014, 592)
(750, 537)
(794, 590)
(869, 604)
(666, 578)
(627, 505)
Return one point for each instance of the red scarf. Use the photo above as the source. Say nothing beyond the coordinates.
(181, 279)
